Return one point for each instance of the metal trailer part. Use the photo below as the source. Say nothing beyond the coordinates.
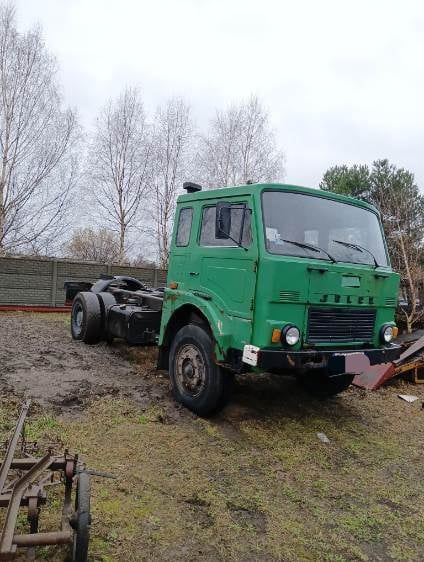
(411, 360)
(7, 546)
(28, 489)
(10, 452)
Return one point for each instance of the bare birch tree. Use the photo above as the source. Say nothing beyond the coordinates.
(239, 147)
(37, 141)
(171, 148)
(119, 164)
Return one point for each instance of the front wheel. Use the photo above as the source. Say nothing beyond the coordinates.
(319, 384)
(196, 380)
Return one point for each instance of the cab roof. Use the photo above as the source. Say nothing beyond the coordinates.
(252, 189)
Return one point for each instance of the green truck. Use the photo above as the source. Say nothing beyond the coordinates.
(264, 278)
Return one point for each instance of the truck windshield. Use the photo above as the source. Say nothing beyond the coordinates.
(346, 232)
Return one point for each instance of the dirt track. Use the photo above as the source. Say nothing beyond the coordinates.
(39, 360)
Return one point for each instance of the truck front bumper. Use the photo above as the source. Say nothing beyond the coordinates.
(336, 360)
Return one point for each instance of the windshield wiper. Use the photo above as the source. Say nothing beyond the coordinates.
(359, 248)
(310, 247)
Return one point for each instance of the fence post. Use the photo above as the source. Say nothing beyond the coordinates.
(109, 269)
(54, 284)
(155, 277)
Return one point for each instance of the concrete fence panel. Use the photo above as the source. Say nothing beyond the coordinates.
(40, 281)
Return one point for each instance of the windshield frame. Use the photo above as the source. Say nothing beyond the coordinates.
(323, 257)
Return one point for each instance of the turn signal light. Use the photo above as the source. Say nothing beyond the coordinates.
(173, 285)
(276, 335)
(395, 331)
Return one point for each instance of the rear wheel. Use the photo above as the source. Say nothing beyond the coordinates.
(319, 384)
(197, 382)
(86, 318)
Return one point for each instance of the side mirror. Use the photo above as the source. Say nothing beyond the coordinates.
(223, 220)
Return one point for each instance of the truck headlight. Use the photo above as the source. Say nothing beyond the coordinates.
(290, 335)
(387, 333)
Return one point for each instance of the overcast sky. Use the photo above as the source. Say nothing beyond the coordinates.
(343, 81)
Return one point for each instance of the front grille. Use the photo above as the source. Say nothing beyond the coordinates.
(340, 325)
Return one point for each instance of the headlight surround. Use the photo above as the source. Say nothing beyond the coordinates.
(290, 335)
(387, 333)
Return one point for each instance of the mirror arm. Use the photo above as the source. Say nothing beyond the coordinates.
(227, 234)
(238, 243)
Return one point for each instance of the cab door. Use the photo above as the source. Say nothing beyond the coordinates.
(227, 272)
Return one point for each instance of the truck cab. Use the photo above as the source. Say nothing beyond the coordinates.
(274, 278)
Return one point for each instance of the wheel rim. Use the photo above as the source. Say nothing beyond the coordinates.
(190, 370)
(77, 318)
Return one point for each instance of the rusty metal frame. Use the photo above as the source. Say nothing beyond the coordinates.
(7, 546)
(13, 443)
(28, 489)
(410, 363)
(413, 369)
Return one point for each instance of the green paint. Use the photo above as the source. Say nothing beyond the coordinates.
(245, 293)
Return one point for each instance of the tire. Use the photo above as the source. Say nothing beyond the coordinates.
(196, 381)
(86, 318)
(106, 300)
(82, 520)
(318, 384)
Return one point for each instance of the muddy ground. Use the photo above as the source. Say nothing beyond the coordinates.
(252, 484)
(39, 360)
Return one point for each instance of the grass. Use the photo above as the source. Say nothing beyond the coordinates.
(253, 484)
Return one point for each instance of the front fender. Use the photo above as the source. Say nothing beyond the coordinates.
(228, 331)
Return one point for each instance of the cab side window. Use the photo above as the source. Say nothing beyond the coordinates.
(184, 226)
(207, 233)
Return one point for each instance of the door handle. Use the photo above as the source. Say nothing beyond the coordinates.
(194, 273)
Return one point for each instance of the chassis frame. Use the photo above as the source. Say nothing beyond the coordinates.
(118, 307)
